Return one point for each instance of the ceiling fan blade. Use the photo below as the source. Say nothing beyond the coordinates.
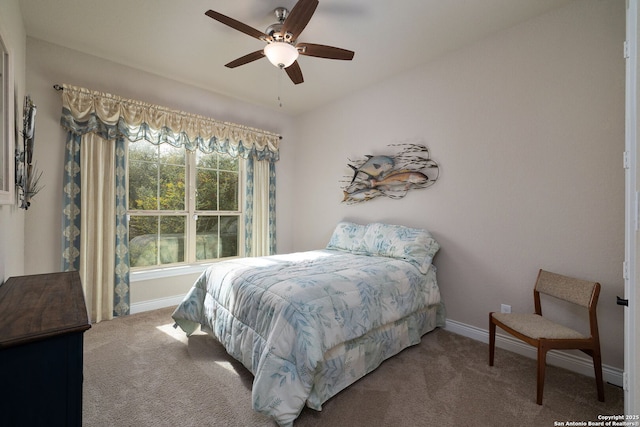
(322, 51)
(237, 25)
(295, 73)
(299, 17)
(253, 56)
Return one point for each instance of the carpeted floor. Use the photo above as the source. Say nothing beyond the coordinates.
(139, 371)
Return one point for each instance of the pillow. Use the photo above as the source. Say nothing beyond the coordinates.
(347, 237)
(414, 245)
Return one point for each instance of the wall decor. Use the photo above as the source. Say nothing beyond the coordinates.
(391, 175)
(7, 125)
(27, 175)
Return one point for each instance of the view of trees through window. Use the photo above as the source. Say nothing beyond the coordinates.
(183, 206)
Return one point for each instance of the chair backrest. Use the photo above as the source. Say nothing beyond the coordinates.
(581, 292)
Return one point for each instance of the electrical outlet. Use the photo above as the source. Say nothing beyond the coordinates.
(504, 308)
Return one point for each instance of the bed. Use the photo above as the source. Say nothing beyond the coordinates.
(309, 324)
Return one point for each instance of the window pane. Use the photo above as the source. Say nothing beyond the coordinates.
(217, 182)
(217, 237)
(228, 191)
(206, 160)
(143, 150)
(207, 190)
(170, 155)
(143, 240)
(228, 236)
(156, 240)
(206, 181)
(172, 187)
(206, 237)
(143, 185)
(172, 239)
(228, 163)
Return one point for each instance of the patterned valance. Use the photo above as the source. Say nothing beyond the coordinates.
(110, 116)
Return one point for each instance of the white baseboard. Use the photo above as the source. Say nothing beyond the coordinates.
(561, 359)
(156, 304)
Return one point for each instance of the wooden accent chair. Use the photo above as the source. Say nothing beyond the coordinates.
(547, 335)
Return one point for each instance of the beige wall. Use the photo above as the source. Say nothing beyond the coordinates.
(12, 248)
(527, 125)
(528, 128)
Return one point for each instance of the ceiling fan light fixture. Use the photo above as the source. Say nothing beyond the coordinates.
(281, 54)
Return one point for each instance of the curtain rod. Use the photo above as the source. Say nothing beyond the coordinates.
(59, 88)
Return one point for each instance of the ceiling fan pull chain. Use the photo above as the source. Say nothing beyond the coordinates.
(279, 88)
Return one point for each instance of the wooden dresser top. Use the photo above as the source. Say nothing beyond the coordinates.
(41, 306)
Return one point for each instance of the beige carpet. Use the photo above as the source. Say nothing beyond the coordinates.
(139, 371)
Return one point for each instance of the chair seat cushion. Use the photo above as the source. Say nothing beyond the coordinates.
(535, 326)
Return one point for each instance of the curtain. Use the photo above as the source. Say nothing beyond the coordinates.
(94, 201)
(260, 208)
(86, 111)
(95, 236)
(97, 211)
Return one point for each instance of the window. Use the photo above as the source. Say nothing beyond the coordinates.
(184, 207)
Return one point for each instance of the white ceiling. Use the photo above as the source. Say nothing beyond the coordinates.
(174, 39)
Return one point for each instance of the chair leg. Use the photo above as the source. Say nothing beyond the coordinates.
(492, 339)
(597, 366)
(542, 364)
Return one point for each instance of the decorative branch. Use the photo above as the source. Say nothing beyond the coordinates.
(27, 176)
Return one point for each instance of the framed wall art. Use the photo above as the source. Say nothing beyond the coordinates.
(7, 125)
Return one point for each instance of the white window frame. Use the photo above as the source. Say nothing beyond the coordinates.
(190, 265)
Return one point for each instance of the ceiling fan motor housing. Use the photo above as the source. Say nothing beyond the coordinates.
(275, 30)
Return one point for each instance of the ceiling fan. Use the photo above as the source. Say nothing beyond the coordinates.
(282, 47)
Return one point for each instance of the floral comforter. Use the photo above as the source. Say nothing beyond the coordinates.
(289, 317)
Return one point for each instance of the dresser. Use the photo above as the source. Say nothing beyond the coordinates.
(42, 321)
